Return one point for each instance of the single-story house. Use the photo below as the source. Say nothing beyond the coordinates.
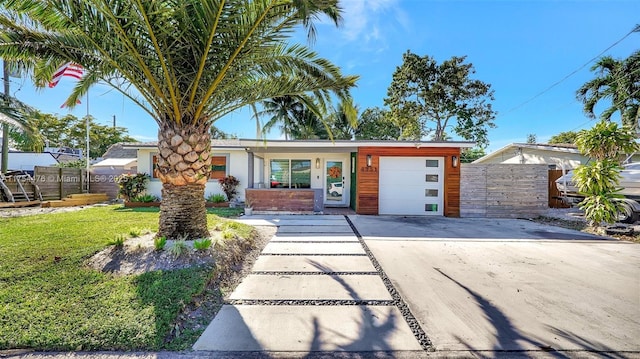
(556, 156)
(372, 177)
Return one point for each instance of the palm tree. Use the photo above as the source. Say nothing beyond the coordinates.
(309, 126)
(344, 120)
(619, 82)
(17, 116)
(283, 111)
(186, 62)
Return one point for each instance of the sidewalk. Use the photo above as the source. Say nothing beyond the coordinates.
(313, 289)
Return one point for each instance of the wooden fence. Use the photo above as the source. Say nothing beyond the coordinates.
(504, 191)
(103, 180)
(57, 183)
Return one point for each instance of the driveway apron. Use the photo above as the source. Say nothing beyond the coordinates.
(314, 288)
(499, 285)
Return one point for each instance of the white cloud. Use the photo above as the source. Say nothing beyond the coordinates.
(144, 138)
(369, 20)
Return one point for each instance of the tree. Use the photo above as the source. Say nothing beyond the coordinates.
(343, 120)
(619, 82)
(606, 144)
(469, 155)
(425, 98)
(70, 131)
(186, 62)
(284, 111)
(568, 137)
(17, 117)
(375, 124)
(532, 138)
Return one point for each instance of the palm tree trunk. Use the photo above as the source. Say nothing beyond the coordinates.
(184, 163)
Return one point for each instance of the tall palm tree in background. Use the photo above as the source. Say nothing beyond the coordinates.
(619, 82)
(301, 117)
(283, 111)
(17, 116)
(186, 62)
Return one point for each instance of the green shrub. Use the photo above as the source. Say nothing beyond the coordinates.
(132, 185)
(135, 232)
(228, 234)
(159, 243)
(216, 198)
(145, 198)
(118, 241)
(179, 248)
(229, 186)
(606, 144)
(202, 244)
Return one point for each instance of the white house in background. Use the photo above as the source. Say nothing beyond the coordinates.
(26, 161)
(371, 177)
(556, 156)
(125, 164)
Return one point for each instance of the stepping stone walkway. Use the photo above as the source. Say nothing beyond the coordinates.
(315, 287)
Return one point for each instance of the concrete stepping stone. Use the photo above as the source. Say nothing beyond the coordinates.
(308, 329)
(317, 237)
(311, 287)
(313, 264)
(316, 229)
(313, 248)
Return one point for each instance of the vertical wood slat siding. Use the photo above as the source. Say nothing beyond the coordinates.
(368, 187)
(554, 202)
(504, 191)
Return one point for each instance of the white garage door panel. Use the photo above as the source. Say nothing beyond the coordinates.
(404, 186)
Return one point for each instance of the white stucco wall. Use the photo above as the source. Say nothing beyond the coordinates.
(28, 160)
(533, 156)
(236, 166)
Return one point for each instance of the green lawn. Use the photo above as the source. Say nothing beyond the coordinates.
(50, 301)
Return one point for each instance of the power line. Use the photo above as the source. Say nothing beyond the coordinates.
(635, 29)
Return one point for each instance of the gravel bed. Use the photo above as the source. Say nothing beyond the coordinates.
(411, 320)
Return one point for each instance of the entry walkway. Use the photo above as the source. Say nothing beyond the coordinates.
(313, 288)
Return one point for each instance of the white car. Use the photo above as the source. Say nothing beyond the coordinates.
(335, 189)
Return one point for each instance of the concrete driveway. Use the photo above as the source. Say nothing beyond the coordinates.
(510, 285)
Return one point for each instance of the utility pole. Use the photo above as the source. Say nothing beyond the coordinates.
(5, 126)
(114, 121)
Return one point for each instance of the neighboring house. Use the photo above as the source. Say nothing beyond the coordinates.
(128, 165)
(372, 177)
(115, 162)
(118, 150)
(26, 161)
(556, 156)
(65, 154)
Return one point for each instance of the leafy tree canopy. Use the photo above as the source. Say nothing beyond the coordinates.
(618, 82)
(376, 124)
(469, 155)
(568, 137)
(532, 138)
(425, 98)
(70, 131)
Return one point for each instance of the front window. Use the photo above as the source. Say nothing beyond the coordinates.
(290, 173)
(219, 166)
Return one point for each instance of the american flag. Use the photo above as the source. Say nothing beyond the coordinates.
(69, 69)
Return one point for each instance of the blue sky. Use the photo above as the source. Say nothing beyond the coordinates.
(521, 48)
